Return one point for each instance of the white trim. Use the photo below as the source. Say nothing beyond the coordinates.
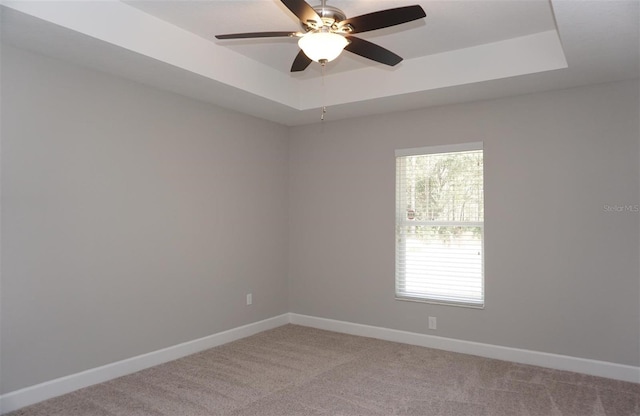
(446, 148)
(30, 395)
(434, 301)
(541, 359)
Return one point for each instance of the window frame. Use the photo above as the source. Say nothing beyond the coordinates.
(400, 221)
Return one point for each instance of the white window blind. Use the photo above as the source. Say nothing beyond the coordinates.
(440, 224)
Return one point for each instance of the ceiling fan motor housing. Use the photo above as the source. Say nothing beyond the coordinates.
(330, 16)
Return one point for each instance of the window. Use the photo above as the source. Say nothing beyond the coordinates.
(440, 225)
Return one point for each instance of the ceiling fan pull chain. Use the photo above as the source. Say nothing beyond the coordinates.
(324, 107)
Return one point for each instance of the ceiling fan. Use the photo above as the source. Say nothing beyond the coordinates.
(327, 32)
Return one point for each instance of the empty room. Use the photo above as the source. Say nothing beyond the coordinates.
(282, 207)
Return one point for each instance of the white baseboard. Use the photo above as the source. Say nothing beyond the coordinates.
(34, 394)
(541, 359)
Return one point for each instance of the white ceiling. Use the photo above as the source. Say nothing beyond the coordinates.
(450, 25)
(462, 51)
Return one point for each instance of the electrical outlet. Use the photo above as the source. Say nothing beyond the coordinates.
(433, 324)
(249, 298)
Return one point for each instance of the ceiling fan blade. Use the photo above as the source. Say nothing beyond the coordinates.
(256, 35)
(372, 51)
(301, 62)
(384, 18)
(303, 11)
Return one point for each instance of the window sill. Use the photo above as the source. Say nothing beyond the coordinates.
(440, 302)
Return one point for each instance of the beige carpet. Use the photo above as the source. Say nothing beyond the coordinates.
(294, 370)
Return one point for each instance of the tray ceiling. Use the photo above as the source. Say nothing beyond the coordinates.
(463, 50)
(450, 25)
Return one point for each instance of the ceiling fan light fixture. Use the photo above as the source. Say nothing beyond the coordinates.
(322, 46)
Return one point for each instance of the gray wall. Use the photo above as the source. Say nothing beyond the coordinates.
(561, 273)
(132, 219)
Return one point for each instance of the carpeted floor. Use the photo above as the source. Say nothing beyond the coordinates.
(295, 370)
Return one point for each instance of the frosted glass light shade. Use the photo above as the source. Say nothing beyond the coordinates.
(322, 46)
